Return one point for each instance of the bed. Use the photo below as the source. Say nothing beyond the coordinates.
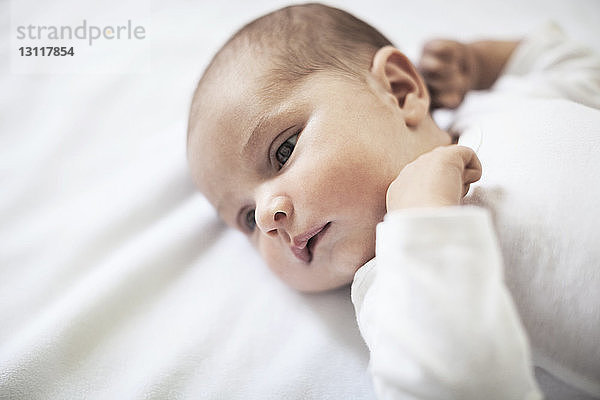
(117, 279)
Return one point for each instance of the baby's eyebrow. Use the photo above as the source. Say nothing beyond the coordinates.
(254, 135)
(262, 123)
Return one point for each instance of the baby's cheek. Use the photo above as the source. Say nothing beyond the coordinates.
(272, 255)
(353, 252)
(359, 184)
(280, 261)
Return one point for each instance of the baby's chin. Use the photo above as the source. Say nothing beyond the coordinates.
(325, 288)
(341, 277)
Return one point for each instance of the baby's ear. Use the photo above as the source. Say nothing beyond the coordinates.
(400, 78)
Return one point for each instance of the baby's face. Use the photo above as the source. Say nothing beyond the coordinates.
(305, 175)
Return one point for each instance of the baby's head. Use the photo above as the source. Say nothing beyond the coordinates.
(296, 130)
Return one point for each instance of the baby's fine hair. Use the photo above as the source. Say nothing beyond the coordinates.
(301, 39)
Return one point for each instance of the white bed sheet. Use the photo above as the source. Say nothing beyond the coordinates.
(117, 280)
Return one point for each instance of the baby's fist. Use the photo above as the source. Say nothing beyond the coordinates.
(450, 70)
(438, 178)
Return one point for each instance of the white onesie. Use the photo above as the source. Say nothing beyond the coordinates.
(449, 311)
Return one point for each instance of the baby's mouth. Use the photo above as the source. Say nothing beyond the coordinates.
(312, 242)
(304, 245)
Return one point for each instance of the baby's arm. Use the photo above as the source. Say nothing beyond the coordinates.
(432, 306)
(451, 69)
(544, 64)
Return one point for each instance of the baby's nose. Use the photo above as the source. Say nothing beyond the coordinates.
(275, 216)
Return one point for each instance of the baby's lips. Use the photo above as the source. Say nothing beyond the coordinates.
(302, 253)
(300, 243)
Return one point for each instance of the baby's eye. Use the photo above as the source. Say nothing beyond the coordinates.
(285, 150)
(250, 220)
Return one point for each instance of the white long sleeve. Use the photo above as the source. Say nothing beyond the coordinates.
(537, 135)
(435, 313)
(547, 64)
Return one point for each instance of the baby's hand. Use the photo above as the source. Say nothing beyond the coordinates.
(450, 70)
(438, 178)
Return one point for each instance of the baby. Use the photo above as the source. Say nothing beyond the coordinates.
(308, 128)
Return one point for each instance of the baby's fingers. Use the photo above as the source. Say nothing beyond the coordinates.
(444, 99)
(471, 175)
(434, 68)
(444, 50)
(469, 159)
(472, 167)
